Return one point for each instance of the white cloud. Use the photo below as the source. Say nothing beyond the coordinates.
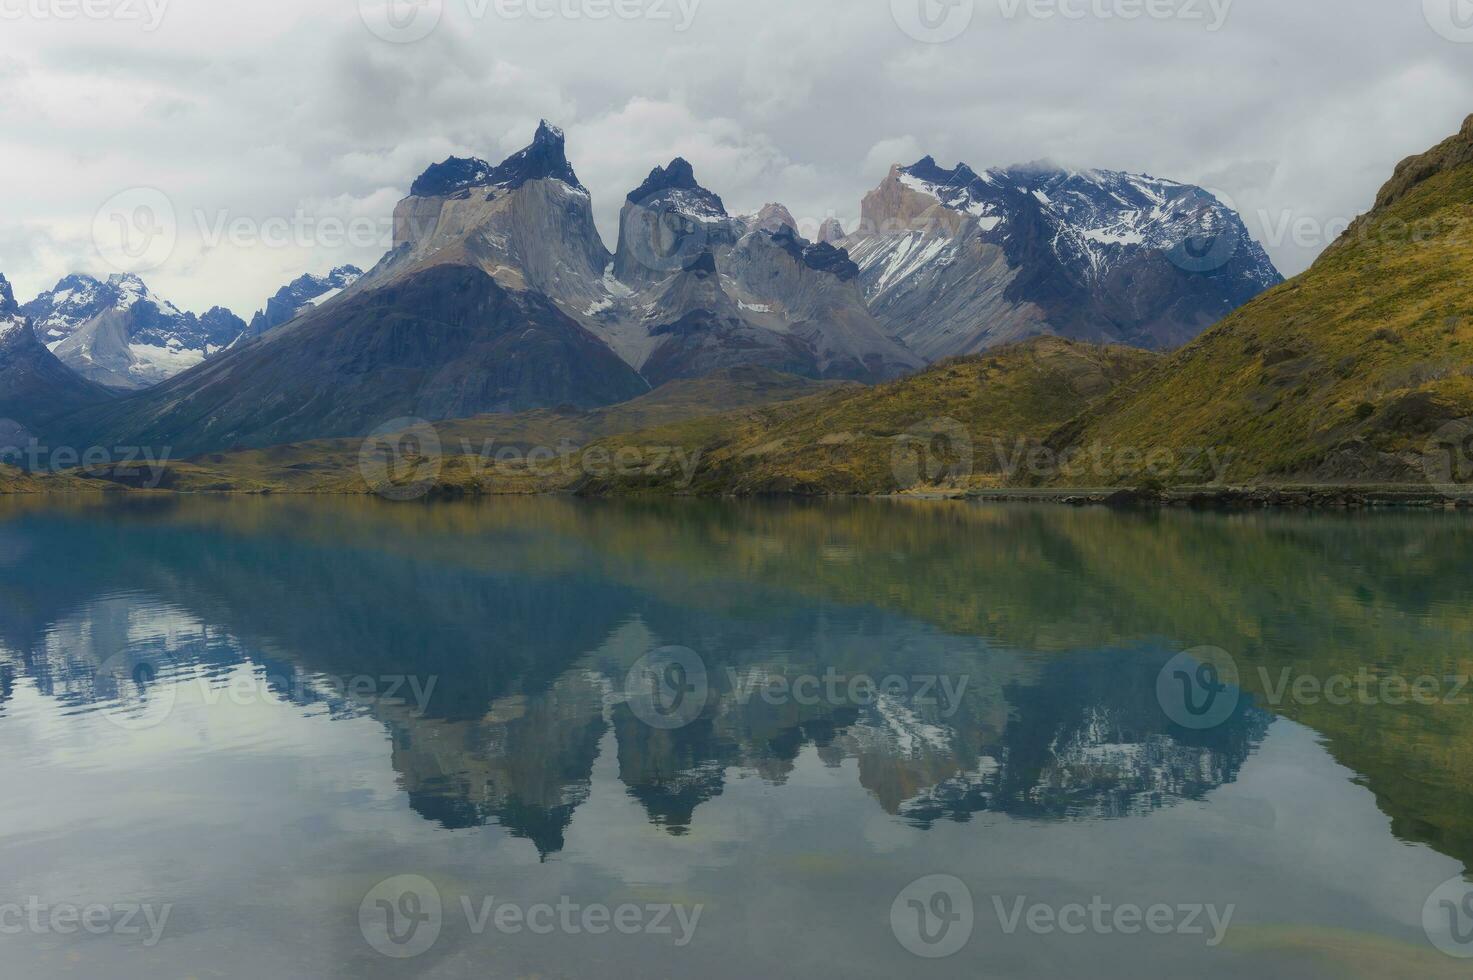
(263, 107)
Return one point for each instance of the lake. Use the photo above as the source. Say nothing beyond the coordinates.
(295, 737)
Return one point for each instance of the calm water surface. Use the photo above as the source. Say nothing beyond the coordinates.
(751, 734)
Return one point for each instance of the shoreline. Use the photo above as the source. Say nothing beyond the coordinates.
(1286, 497)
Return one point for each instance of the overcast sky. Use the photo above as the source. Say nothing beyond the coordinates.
(313, 116)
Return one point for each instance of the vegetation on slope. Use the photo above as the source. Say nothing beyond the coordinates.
(963, 423)
(486, 449)
(1343, 375)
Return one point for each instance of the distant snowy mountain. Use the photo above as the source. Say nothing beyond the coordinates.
(955, 261)
(301, 295)
(120, 334)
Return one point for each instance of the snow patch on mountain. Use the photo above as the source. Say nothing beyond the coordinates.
(120, 333)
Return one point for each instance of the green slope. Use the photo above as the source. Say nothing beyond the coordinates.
(1343, 375)
(471, 446)
(964, 423)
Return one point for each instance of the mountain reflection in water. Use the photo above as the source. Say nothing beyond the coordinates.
(478, 657)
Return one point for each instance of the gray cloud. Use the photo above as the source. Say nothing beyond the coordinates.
(1294, 109)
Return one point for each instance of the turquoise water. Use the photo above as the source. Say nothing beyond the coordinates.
(339, 738)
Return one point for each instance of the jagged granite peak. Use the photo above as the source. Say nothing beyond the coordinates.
(831, 231)
(306, 292)
(8, 305)
(667, 225)
(545, 158)
(675, 186)
(772, 217)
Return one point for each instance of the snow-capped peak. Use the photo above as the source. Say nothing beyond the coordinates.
(1094, 215)
(120, 333)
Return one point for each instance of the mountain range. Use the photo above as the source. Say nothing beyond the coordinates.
(954, 262)
(119, 334)
(1359, 372)
(498, 295)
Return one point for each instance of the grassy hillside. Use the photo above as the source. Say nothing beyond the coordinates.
(471, 446)
(1342, 375)
(967, 422)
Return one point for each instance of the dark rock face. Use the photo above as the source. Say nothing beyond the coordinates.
(704, 265)
(447, 343)
(35, 387)
(678, 176)
(454, 174)
(701, 342)
(545, 158)
(820, 258)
